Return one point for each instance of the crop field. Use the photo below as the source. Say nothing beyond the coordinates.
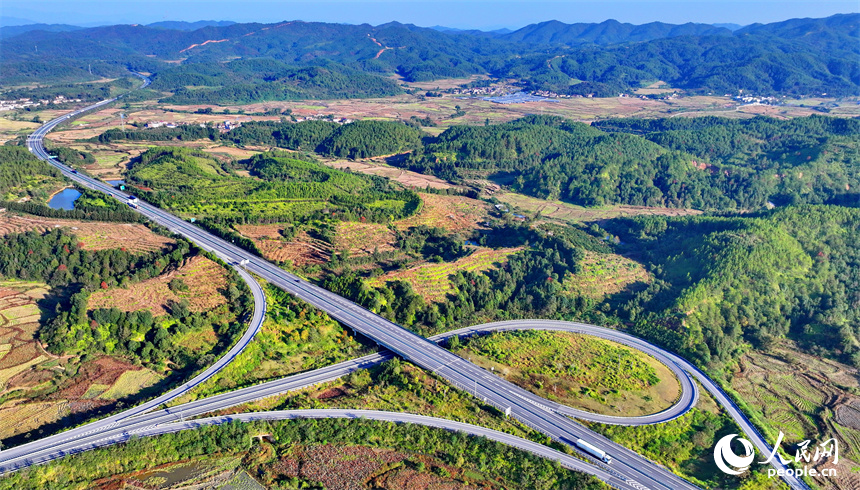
(205, 280)
(19, 321)
(18, 418)
(805, 397)
(94, 235)
(603, 274)
(129, 383)
(579, 371)
(453, 213)
(303, 250)
(11, 129)
(431, 280)
(571, 213)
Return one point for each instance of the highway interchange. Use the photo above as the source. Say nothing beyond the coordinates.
(628, 470)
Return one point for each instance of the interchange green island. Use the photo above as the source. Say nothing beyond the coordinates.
(626, 470)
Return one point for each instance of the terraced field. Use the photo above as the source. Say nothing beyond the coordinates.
(94, 235)
(205, 280)
(783, 397)
(431, 280)
(303, 250)
(363, 238)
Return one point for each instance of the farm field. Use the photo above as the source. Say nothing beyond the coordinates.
(363, 238)
(39, 388)
(603, 274)
(571, 213)
(94, 235)
(204, 278)
(431, 281)
(805, 397)
(301, 251)
(579, 371)
(376, 166)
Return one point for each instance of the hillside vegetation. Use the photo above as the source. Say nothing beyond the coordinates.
(194, 183)
(318, 60)
(703, 163)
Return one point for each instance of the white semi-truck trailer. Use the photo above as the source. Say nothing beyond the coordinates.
(597, 453)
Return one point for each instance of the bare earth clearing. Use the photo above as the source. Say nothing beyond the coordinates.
(571, 213)
(205, 280)
(94, 235)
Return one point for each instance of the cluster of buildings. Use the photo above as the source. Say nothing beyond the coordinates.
(491, 90)
(8, 105)
(324, 117)
(553, 95)
(756, 100)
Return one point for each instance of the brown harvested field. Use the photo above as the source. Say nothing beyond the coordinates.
(375, 166)
(454, 213)
(566, 212)
(805, 397)
(431, 280)
(363, 238)
(303, 250)
(19, 321)
(603, 274)
(94, 235)
(205, 280)
(340, 467)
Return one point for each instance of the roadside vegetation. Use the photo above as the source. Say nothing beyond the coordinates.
(336, 454)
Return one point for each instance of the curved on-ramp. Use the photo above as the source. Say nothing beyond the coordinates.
(602, 472)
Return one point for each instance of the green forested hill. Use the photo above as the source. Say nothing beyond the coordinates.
(802, 56)
(194, 183)
(724, 283)
(704, 163)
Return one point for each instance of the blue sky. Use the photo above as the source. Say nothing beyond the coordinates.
(478, 14)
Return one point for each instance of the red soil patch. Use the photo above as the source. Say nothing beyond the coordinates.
(105, 371)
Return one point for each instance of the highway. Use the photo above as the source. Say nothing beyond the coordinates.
(518, 403)
(565, 460)
(507, 397)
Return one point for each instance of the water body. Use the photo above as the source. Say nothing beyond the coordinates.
(115, 182)
(64, 199)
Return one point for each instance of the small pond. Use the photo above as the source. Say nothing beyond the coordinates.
(64, 199)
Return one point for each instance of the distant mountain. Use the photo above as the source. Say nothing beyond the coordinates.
(800, 56)
(15, 21)
(189, 26)
(731, 27)
(10, 31)
(608, 32)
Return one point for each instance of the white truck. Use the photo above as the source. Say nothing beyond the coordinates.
(593, 451)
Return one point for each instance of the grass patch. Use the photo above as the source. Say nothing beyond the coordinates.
(576, 370)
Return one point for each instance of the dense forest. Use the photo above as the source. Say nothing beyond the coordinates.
(703, 163)
(254, 80)
(360, 139)
(726, 283)
(317, 60)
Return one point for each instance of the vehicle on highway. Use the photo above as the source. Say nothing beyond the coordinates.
(132, 205)
(74, 171)
(597, 453)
